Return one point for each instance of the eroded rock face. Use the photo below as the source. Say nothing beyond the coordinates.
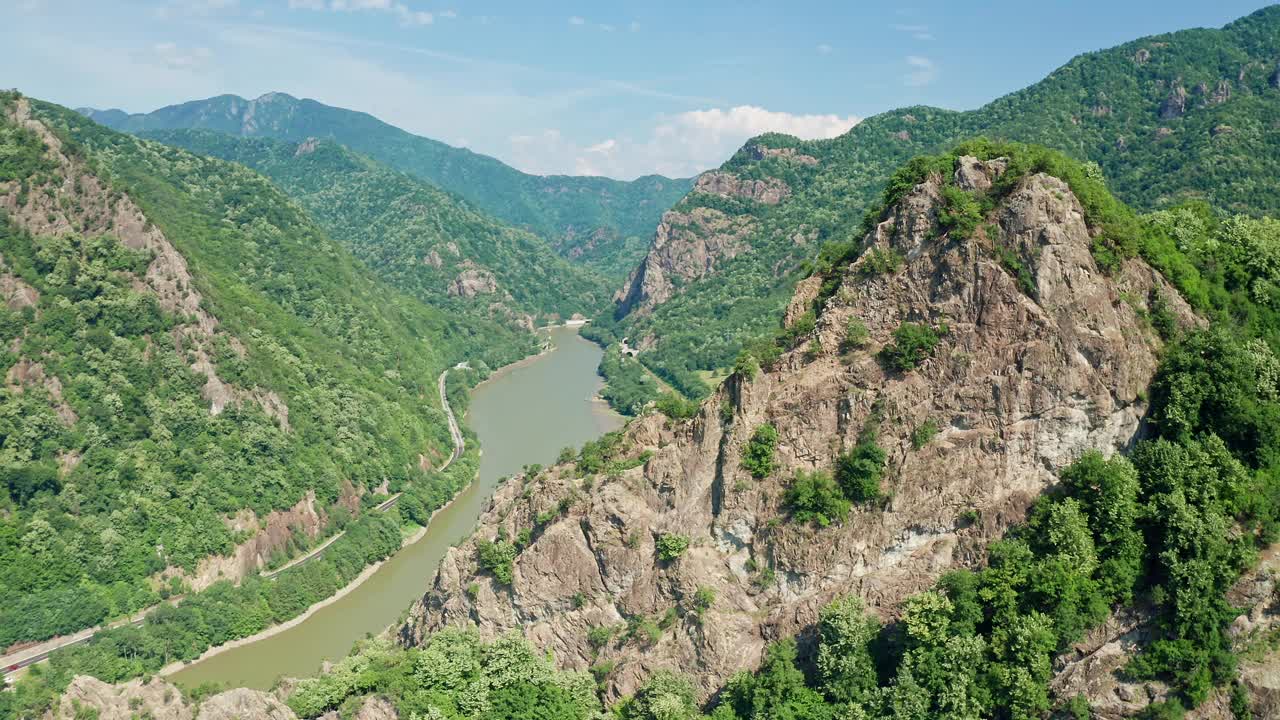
(473, 281)
(687, 246)
(159, 700)
(760, 152)
(1021, 383)
(15, 293)
(768, 191)
(1174, 105)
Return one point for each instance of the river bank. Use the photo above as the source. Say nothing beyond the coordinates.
(522, 413)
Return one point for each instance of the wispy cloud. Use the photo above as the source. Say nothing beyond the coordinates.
(922, 71)
(579, 21)
(824, 49)
(403, 13)
(174, 57)
(919, 32)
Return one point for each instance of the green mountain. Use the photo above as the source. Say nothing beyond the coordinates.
(1185, 116)
(186, 352)
(421, 239)
(599, 221)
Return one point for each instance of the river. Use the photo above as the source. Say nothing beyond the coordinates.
(524, 413)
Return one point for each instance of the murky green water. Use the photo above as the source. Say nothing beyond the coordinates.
(524, 414)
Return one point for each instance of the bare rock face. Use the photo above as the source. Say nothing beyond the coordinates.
(769, 191)
(1020, 385)
(473, 281)
(159, 700)
(1221, 94)
(307, 147)
(1175, 105)
(244, 704)
(15, 293)
(1275, 77)
(687, 246)
(760, 152)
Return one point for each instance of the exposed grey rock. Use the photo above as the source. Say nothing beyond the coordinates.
(768, 191)
(686, 246)
(1020, 386)
(1175, 105)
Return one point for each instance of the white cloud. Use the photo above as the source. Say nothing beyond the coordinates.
(448, 14)
(677, 145)
(747, 120)
(919, 32)
(607, 27)
(923, 71)
(173, 57)
(575, 20)
(634, 26)
(403, 13)
(824, 49)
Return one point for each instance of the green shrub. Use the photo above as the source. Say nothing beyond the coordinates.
(912, 343)
(599, 635)
(671, 546)
(855, 335)
(923, 434)
(676, 407)
(757, 454)
(858, 472)
(818, 498)
(703, 599)
(960, 213)
(880, 262)
(497, 558)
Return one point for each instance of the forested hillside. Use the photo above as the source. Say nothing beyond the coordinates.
(185, 352)
(1191, 115)
(421, 239)
(601, 222)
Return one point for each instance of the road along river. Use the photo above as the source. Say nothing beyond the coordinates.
(524, 414)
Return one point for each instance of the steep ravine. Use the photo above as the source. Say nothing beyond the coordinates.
(1021, 384)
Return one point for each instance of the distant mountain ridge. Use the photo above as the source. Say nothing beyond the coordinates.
(414, 235)
(586, 218)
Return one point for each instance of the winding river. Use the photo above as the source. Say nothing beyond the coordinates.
(525, 413)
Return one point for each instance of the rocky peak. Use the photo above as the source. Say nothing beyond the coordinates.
(687, 246)
(1028, 373)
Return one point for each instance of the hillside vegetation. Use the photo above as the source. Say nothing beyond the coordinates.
(417, 237)
(1190, 115)
(601, 222)
(184, 353)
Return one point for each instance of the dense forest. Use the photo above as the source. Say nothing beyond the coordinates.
(412, 234)
(114, 467)
(600, 222)
(1190, 115)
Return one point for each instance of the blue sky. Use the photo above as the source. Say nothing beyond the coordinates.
(613, 88)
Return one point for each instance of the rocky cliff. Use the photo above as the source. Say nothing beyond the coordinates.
(1031, 370)
(157, 699)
